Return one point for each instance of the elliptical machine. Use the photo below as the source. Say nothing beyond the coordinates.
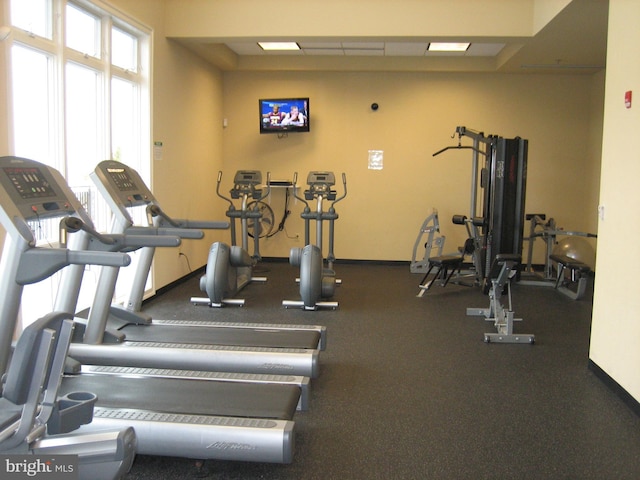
(230, 267)
(317, 282)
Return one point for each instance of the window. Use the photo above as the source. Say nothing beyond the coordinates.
(33, 16)
(124, 47)
(82, 31)
(79, 76)
(33, 102)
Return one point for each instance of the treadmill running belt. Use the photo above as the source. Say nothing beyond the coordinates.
(194, 397)
(223, 336)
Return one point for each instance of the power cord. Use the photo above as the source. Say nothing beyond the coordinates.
(180, 254)
(285, 215)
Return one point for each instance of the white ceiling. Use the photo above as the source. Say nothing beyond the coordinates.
(380, 49)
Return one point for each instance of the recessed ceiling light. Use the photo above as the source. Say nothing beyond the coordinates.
(279, 45)
(448, 47)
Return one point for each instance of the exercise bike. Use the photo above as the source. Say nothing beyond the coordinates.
(230, 267)
(317, 282)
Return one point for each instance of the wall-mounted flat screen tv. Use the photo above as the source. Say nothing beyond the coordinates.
(283, 115)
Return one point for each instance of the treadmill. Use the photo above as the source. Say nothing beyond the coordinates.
(177, 360)
(122, 187)
(34, 421)
(132, 341)
(172, 417)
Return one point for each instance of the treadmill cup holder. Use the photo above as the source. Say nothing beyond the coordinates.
(71, 411)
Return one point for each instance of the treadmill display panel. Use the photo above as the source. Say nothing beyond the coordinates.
(29, 182)
(121, 179)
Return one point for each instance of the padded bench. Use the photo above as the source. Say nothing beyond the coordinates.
(579, 273)
(445, 265)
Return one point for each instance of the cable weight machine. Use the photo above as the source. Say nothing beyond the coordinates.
(494, 225)
(496, 206)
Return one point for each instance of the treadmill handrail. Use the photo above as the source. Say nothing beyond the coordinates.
(198, 224)
(164, 231)
(39, 263)
(154, 211)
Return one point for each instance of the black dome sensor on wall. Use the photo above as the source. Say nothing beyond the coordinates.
(374, 106)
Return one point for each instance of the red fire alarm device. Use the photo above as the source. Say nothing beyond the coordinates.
(627, 99)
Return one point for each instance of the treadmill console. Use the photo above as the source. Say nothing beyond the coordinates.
(32, 188)
(124, 184)
(122, 179)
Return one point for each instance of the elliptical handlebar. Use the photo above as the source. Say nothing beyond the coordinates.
(344, 184)
(267, 190)
(219, 181)
(295, 181)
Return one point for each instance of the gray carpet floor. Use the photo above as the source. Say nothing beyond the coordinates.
(409, 390)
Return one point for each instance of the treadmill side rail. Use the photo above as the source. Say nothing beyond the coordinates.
(274, 361)
(203, 437)
(102, 454)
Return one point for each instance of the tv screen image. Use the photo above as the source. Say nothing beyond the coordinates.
(282, 115)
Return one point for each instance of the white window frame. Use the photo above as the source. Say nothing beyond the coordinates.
(60, 56)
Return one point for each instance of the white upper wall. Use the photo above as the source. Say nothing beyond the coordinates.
(233, 19)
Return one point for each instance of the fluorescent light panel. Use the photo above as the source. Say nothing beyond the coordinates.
(279, 45)
(448, 47)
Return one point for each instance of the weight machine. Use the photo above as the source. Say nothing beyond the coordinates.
(496, 209)
(570, 275)
(434, 242)
(445, 266)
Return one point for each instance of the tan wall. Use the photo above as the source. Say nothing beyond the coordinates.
(615, 334)
(187, 119)
(418, 113)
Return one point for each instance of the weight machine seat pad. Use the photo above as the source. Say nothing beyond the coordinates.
(184, 396)
(570, 263)
(445, 260)
(500, 261)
